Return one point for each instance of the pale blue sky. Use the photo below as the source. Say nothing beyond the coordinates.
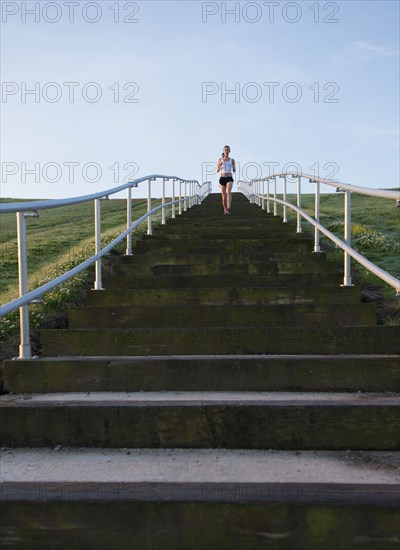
(173, 50)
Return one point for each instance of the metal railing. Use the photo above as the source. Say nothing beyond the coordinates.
(185, 195)
(258, 191)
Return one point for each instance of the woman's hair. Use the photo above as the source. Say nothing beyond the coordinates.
(223, 151)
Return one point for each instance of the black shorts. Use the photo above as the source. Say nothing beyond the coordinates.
(224, 180)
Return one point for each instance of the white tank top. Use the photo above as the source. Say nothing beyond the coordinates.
(226, 166)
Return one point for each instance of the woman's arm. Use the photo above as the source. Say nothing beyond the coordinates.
(233, 165)
(219, 165)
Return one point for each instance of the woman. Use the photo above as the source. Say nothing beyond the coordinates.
(227, 167)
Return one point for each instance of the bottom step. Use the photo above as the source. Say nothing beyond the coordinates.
(198, 500)
(197, 526)
(200, 475)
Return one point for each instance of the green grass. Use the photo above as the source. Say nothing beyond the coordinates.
(377, 219)
(58, 234)
(57, 241)
(375, 225)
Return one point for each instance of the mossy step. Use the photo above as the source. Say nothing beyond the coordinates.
(331, 280)
(217, 219)
(275, 223)
(216, 213)
(231, 420)
(216, 225)
(185, 315)
(225, 237)
(255, 250)
(229, 523)
(223, 340)
(225, 295)
(258, 251)
(224, 229)
(212, 235)
(257, 261)
(340, 373)
(218, 266)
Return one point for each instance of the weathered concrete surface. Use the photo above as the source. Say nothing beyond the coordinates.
(187, 315)
(223, 340)
(251, 420)
(197, 526)
(352, 373)
(203, 475)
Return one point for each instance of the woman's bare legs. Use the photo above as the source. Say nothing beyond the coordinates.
(224, 197)
(228, 195)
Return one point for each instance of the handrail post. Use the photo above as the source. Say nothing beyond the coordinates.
(98, 284)
(263, 197)
(268, 201)
(184, 203)
(25, 351)
(317, 247)
(258, 192)
(299, 228)
(173, 198)
(163, 203)
(149, 225)
(128, 251)
(180, 197)
(347, 238)
(284, 198)
(275, 203)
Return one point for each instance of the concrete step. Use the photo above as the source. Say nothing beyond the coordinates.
(188, 229)
(232, 420)
(231, 524)
(185, 315)
(225, 227)
(238, 211)
(200, 475)
(231, 249)
(216, 218)
(237, 280)
(223, 340)
(226, 296)
(340, 373)
(217, 265)
(251, 227)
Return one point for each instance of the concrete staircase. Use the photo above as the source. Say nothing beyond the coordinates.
(224, 389)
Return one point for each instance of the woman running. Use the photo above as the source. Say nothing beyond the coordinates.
(227, 167)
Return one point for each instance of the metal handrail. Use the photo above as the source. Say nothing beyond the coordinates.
(196, 194)
(382, 193)
(261, 198)
(55, 203)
